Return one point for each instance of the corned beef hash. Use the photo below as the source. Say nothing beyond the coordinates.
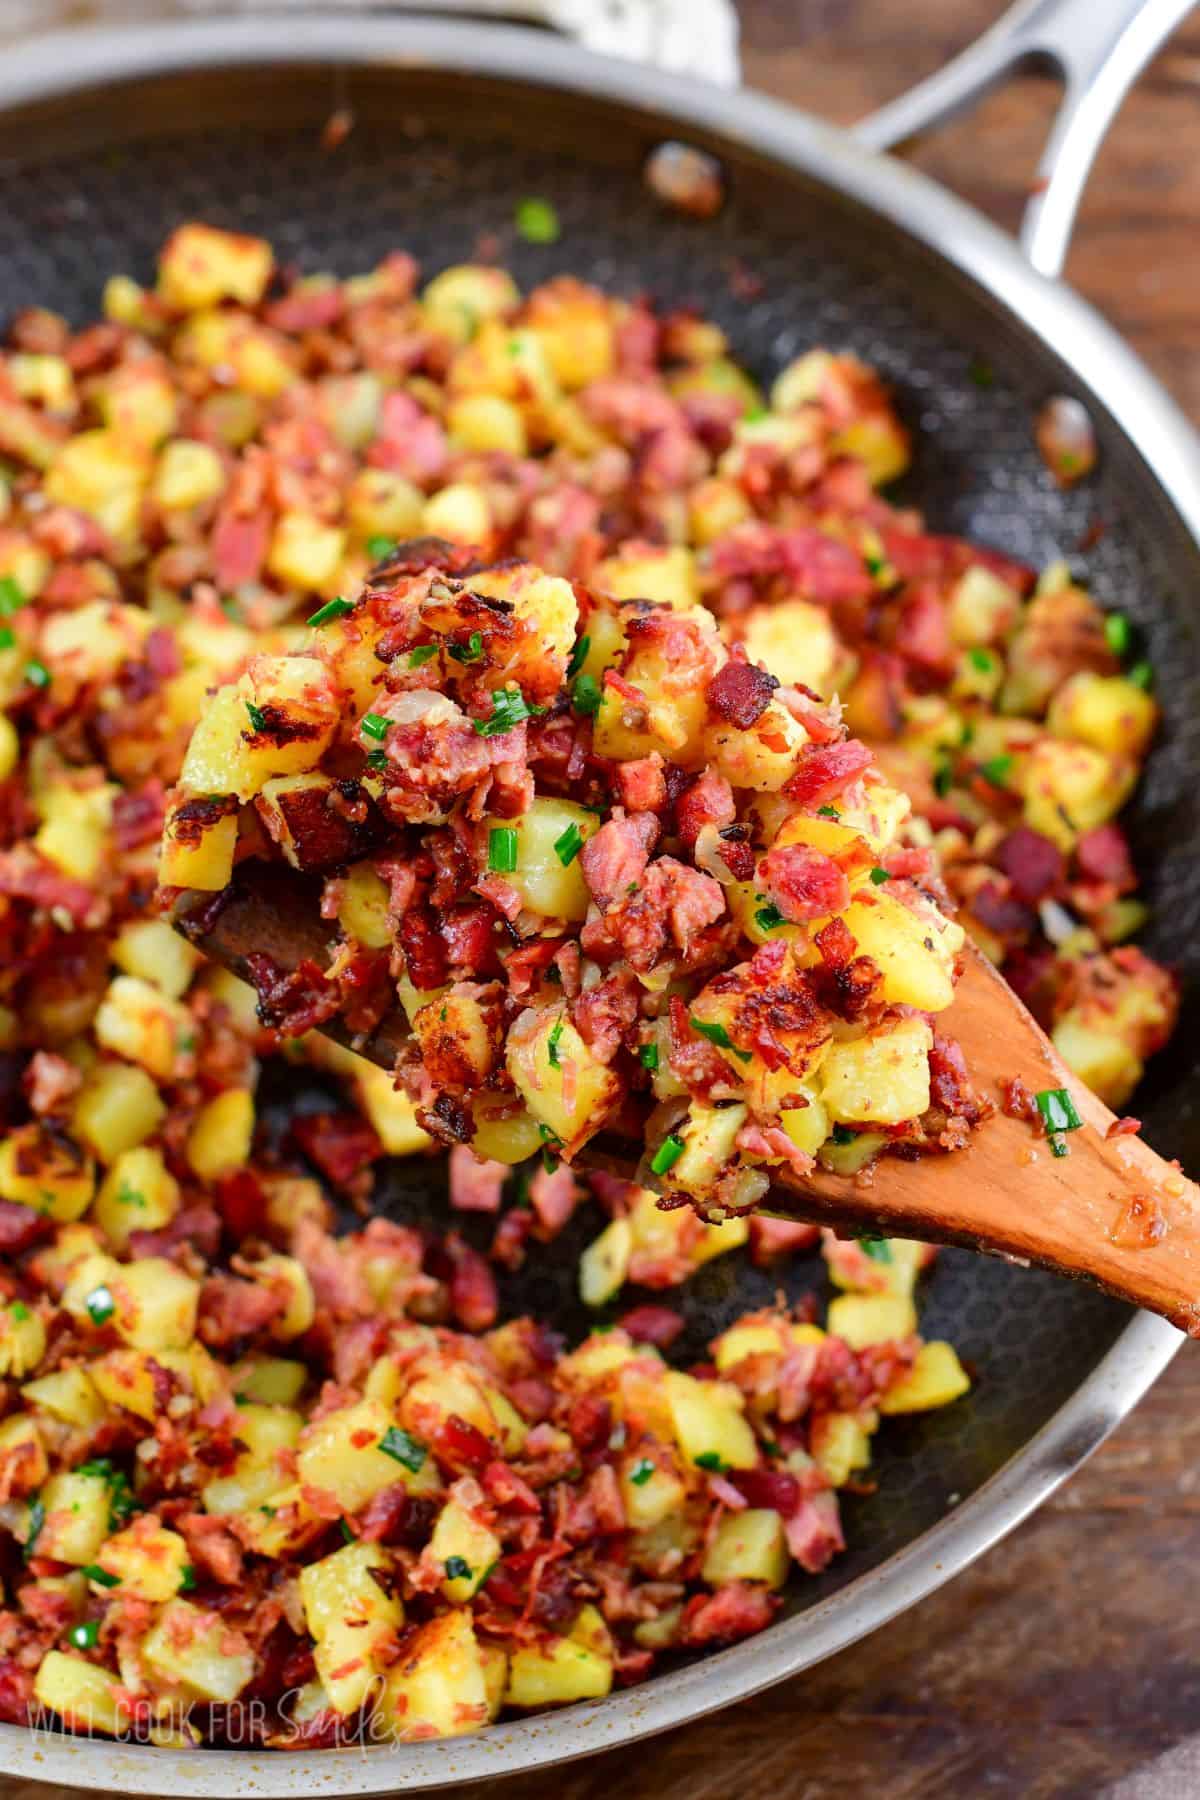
(516, 622)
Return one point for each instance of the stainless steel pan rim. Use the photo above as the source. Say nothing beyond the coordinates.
(1162, 436)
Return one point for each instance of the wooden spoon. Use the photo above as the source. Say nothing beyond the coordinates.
(1111, 1210)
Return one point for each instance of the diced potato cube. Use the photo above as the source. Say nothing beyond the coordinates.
(445, 1388)
(605, 1263)
(23, 1462)
(351, 1617)
(269, 1432)
(807, 1126)
(555, 1672)
(67, 1394)
(199, 1650)
(148, 1560)
(390, 1111)
(762, 758)
(650, 1492)
(764, 1337)
(139, 1022)
(103, 475)
(840, 1444)
(983, 609)
(438, 1687)
(236, 751)
(707, 1418)
(305, 553)
(665, 574)
(748, 1546)
(509, 1134)
(201, 266)
(221, 1135)
(380, 503)
(84, 1696)
(708, 1135)
(187, 474)
(46, 1172)
(541, 1047)
(461, 296)
(153, 1303)
(1109, 712)
(46, 379)
(284, 1274)
(199, 841)
(74, 834)
(117, 1108)
(150, 949)
(363, 907)
(1071, 787)
(1107, 1062)
(139, 1193)
(575, 324)
(550, 881)
(467, 1549)
(795, 640)
(22, 1339)
(882, 1078)
(458, 1038)
(935, 1379)
(460, 512)
(913, 947)
(75, 1521)
(485, 422)
(341, 1455)
(862, 1319)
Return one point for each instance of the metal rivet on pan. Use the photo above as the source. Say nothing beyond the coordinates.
(1066, 439)
(689, 180)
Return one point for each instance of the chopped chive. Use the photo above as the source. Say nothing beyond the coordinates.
(509, 709)
(374, 725)
(648, 1057)
(502, 849)
(1117, 633)
(828, 812)
(667, 1154)
(879, 876)
(38, 675)
(767, 918)
(981, 372)
(100, 1305)
(469, 652)
(585, 695)
(641, 1471)
(552, 1043)
(537, 221)
(19, 1311)
(84, 1636)
(578, 656)
(842, 1134)
(877, 1248)
(37, 1518)
(875, 565)
(568, 844)
(258, 718)
(996, 769)
(943, 779)
(1058, 1110)
(100, 1576)
(1141, 675)
(187, 1579)
(982, 660)
(458, 1568)
(332, 609)
(379, 547)
(8, 637)
(403, 1449)
(348, 1536)
(377, 759)
(11, 597)
(422, 654)
(713, 1461)
(717, 1034)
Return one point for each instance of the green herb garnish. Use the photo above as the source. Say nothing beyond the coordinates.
(585, 695)
(768, 918)
(552, 1043)
(828, 812)
(1141, 675)
(1058, 1110)
(38, 675)
(667, 1154)
(717, 1034)
(537, 221)
(458, 1568)
(578, 656)
(422, 654)
(641, 1471)
(11, 597)
(996, 769)
(332, 609)
(100, 1576)
(100, 1305)
(1117, 633)
(879, 876)
(982, 660)
(877, 1248)
(713, 1461)
(568, 844)
(509, 709)
(403, 1449)
(502, 849)
(84, 1636)
(37, 1518)
(187, 1579)
(469, 652)
(19, 1311)
(842, 1134)
(379, 547)
(648, 1056)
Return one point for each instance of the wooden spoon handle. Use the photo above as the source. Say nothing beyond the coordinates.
(1110, 1210)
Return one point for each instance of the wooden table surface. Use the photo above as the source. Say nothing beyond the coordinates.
(1068, 1655)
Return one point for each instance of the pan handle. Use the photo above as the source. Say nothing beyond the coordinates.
(1098, 48)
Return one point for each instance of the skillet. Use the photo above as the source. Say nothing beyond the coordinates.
(109, 139)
